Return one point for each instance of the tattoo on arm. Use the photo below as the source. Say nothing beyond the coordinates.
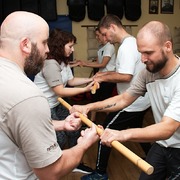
(106, 107)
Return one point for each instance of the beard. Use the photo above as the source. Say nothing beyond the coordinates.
(159, 65)
(34, 63)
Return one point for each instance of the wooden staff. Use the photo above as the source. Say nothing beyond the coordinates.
(143, 165)
(94, 88)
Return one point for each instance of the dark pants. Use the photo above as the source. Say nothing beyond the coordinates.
(166, 163)
(104, 92)
(64, 138)
(118, 120)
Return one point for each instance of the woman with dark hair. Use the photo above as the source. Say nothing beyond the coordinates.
(55, 80)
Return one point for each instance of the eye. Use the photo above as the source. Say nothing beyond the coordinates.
(148, 53)
(45, 42)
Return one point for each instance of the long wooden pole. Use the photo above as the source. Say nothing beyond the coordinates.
(143, 165)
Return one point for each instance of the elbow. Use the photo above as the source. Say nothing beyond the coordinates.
(128, 78)
(103, 66)
(62, 95)
(168, 134)
(172, 129)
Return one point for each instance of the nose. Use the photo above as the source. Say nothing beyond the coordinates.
(72, 48)
(47, 49)
(144, 58)
(104, 38)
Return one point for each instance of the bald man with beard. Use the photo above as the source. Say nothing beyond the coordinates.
(28, 143)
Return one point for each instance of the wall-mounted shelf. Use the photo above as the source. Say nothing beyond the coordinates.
(129, 25)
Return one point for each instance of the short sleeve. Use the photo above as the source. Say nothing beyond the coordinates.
(31, 125)
(52, 73)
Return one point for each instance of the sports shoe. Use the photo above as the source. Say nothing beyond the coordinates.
(83, 169)
(95, 176)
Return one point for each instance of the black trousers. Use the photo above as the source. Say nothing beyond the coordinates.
(118, 120)
(104, 92)
(166, 163)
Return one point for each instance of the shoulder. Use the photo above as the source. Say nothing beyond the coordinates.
(50, 61)
(109, 46)
(130, 39)
(129, 43)
(51, 64)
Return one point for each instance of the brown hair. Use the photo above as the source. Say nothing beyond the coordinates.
(57, 41)
(109, 19)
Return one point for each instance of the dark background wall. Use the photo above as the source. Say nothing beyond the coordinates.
(45, 8)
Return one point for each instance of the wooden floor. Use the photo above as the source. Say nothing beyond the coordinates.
(119, 167)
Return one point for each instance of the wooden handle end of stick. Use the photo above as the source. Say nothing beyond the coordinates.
(94, 88)
(148, 169)
(143, 165)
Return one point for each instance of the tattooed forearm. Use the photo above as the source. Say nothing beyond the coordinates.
(106, 107)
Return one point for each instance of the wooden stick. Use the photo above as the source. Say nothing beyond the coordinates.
(94, 88)
(143, 165)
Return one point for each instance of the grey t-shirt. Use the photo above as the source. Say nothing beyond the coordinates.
(164, 95)
(27, 136)
(52, 74)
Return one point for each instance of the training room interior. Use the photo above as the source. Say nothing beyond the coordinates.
(80, 31)
(119, 166)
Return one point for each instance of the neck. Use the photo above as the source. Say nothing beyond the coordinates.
(124, 35)
(171, 64)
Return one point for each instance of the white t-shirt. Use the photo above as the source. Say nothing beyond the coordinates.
(129, 62)
(109, 51)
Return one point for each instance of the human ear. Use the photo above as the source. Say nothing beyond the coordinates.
(168, 46)
(25, 45)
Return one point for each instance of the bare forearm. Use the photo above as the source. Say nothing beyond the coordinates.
(95, 65)
(155, 132)
(58, 125)
(70, 159)
(115, 103)
(160, 131)
(68, 92)
(79, 81)
(64, 165)
(114, 77)
(112, 104)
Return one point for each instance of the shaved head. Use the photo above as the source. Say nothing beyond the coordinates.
(157, 30)
(23, 39)
(21, 24)
(155, 44)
